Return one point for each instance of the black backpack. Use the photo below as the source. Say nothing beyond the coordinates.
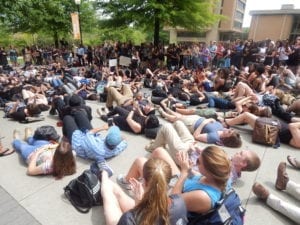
(84, 192)
(46, 132)
(228, 211)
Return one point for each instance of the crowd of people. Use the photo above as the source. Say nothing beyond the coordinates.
(200, 90)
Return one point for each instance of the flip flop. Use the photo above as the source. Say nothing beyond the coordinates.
(292, 161)
(7, 152)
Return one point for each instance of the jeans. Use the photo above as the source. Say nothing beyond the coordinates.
(221, 103)
(287, 209)
(26, 148)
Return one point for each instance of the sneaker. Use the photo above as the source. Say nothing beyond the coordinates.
(99, 112)
(17, 134)
(104, 110)
(97, 168)
(293, 162)
(123, 183)
(282, 177)
(260, 191)
(149, 147)
(52, 111)
(28, 133)
(104, 166)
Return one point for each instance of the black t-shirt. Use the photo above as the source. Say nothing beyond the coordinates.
(19, 115)
(177, 212)
(121, 122)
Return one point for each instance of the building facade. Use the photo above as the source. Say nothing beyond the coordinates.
(275, 24)
(229, 28)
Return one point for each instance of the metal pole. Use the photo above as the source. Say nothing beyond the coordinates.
(78, 10)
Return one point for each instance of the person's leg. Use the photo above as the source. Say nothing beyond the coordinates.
(115, 201)
(118, 110)
(67, 90)
(82, 121)
(242, 89)
(161, 153)
(167, 134)
(186, 111)
(59, 105)
(189, 121)
(170, 117)
(69, 126)
(112, 95)
(37, 143)
(26, 94)
(72, 87)
(183, 132)
(287, 209)
(136, 169)
(245, 117)
(23, 148)
(126, 90)
(293, 189)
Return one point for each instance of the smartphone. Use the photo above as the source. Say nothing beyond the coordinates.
(110, 122)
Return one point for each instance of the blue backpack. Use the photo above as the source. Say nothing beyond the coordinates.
(228, 211)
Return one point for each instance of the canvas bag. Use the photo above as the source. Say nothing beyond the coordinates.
(84, 192)
(266, 131)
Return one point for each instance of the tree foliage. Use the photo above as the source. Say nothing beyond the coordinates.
(51, 17)
(155, 14)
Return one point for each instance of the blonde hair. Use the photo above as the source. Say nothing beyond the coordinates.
(217, 164)
(154, 205)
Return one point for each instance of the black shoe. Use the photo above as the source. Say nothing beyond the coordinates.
(52, 111)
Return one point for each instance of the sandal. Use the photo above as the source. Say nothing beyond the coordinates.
(7, 152)
(293, 162)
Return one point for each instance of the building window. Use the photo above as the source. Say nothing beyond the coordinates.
(237, 24)
(239, 15)
(241, 5)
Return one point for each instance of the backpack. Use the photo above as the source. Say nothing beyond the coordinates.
(266, 131)
(84, 192)
(228, 211)
(46, 132)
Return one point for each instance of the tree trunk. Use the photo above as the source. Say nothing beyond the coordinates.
(55, 37)
(156, 31)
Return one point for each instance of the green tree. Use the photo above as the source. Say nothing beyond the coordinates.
(51, 17)
(155, 14)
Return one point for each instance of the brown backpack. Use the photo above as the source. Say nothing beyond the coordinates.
(266, 131)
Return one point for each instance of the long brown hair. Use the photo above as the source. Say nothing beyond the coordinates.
(154, 206)
(216, 162)
(63, 160)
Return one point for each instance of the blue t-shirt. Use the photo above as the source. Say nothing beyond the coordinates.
(211, 129)
(192, 184)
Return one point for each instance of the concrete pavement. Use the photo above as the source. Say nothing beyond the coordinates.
(40, 199)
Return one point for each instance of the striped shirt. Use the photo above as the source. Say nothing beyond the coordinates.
(92, 146)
